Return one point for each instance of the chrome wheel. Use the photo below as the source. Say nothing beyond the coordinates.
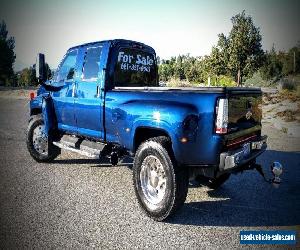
(39, 140)
(153, 180)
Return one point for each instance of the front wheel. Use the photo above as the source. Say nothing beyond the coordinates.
(160, 184)
(40, 146)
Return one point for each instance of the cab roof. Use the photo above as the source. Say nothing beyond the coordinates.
(115, 42)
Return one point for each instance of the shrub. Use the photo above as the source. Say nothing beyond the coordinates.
(226, 81)
(221, 81)
(257, 80)
(288, 84)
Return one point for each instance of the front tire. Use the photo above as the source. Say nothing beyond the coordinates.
(39, 146)
(160, 184)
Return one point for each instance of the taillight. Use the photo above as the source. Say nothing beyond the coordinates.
(31, 95)
(222, 116)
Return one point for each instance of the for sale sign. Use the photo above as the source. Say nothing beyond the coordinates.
(135, 61)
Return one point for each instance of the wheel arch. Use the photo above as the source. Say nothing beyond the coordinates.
(144, 133)
(35, 111)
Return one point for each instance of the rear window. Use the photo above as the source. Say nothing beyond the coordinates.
(244, 111)
(134, 68)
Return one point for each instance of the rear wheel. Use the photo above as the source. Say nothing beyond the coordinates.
(160, 184)
(39, 145)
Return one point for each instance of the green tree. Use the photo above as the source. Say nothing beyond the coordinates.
(27, 77)
(7, 55)
(240, 54)
(242, 48)
(290, 61)
(164, 70)
(272, 67)
(24, 77)
(278, 64)
(48, 71)
(219, 57)
(178, 68)
(193, 69)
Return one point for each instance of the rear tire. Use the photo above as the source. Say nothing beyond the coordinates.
(40, 147)
(160, 184)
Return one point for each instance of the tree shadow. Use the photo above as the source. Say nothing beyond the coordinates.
(246, 200)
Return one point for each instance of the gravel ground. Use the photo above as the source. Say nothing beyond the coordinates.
(81, 203)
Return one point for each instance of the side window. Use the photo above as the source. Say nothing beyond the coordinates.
(91, 63)
(66, 69)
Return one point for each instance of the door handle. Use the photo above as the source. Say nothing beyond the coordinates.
(73, 89)
(98, 91)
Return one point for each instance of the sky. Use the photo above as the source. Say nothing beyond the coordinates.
(170, 27)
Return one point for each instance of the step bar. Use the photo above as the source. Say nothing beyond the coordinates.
(78, 145)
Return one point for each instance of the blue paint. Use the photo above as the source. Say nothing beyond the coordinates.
(48, 114)
(97, 110)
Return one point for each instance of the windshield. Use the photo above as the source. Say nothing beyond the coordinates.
(135, 68)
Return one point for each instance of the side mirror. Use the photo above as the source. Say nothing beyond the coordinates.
(40, 68)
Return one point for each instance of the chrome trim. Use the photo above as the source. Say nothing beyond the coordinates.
(39, 140)
(153, 181)
(82, 152)
(232, 159)
(258, 144)
(73, 90)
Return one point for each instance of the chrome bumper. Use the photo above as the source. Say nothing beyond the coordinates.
(241, 156)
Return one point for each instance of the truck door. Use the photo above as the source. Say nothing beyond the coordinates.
(88, 97)
(63, 97)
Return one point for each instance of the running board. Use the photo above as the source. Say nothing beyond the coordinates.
(63, 146)
(84, 147)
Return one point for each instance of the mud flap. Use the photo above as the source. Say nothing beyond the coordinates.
(48, 114)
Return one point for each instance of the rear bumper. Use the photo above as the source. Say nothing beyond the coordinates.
(241, 156)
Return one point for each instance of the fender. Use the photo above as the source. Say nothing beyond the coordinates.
(36, 105)
(169, 120)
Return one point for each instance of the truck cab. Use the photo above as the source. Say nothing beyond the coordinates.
(85, 75)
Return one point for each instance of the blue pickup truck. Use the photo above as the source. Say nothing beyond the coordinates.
(104, 100)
